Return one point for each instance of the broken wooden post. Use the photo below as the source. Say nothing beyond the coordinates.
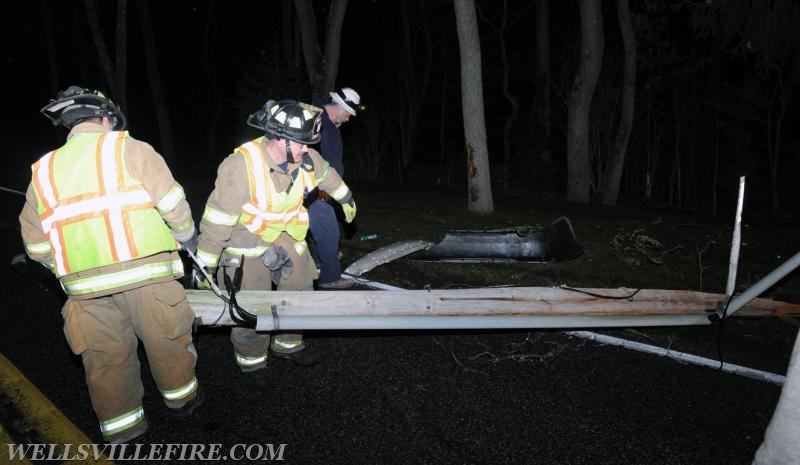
(481, 308)
(733, 262)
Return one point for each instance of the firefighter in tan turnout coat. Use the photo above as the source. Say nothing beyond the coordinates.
(255, 221)
(104, 213)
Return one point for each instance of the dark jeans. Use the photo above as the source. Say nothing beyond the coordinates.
(325, 229)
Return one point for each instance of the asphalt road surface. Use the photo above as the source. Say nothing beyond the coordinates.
(480, 397)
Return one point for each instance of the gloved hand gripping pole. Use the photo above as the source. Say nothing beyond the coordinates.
(239, 315)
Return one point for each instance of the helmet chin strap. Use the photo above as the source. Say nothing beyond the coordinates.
(289, 155)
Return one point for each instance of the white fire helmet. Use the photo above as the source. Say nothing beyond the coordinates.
(348, 99)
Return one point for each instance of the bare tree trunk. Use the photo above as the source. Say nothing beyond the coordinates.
(287, 31)
(298, 46)
(414, 86)
(121, 55)
(445, 161)
(773, 147)
(715, 174)
(512, 99)
(102, 51)
(210, 69)
(311, 49)
(322, 68)
(52, 61)
(611, 191)
(579, 170)
(333, 33)
(78, 29)
(479, 180)
(675, 189)
(409, 57)
(691, 146)
(675, 173)
(543, 107)
(783, 92)
(655, 133)
(445, 157)
(162, 113)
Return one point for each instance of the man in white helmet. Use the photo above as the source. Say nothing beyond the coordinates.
(324, 227)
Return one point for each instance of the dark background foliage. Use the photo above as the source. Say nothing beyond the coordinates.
(715, 100)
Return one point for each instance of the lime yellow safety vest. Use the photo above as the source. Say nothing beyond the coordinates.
(95, 213)
(269, 212)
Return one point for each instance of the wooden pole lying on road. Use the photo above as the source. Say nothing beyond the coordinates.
(480, 308)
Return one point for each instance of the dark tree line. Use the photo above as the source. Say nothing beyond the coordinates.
(598, 101)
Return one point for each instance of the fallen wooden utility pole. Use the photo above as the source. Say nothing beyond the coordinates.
(502, 307)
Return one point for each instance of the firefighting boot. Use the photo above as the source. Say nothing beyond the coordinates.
(185, 411)
(133, 436)
(301, 356)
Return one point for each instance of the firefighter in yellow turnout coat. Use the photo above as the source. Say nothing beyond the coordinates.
(104, 213)
(255, 219)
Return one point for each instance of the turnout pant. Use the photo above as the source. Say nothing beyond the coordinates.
(251, 347)
(105, 332)
(325, 228)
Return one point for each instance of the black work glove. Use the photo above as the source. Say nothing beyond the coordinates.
(200, 281)
(190, 244)
(277, 259)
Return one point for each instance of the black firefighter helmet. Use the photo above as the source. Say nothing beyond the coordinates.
(289, 119)
(77, 103)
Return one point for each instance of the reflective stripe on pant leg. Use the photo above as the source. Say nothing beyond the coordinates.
(287, 342)
(302, 279)
(249, 348)
(163, 321)
(117, 425)
(244, 361)
(182, 392)
(110, 360)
